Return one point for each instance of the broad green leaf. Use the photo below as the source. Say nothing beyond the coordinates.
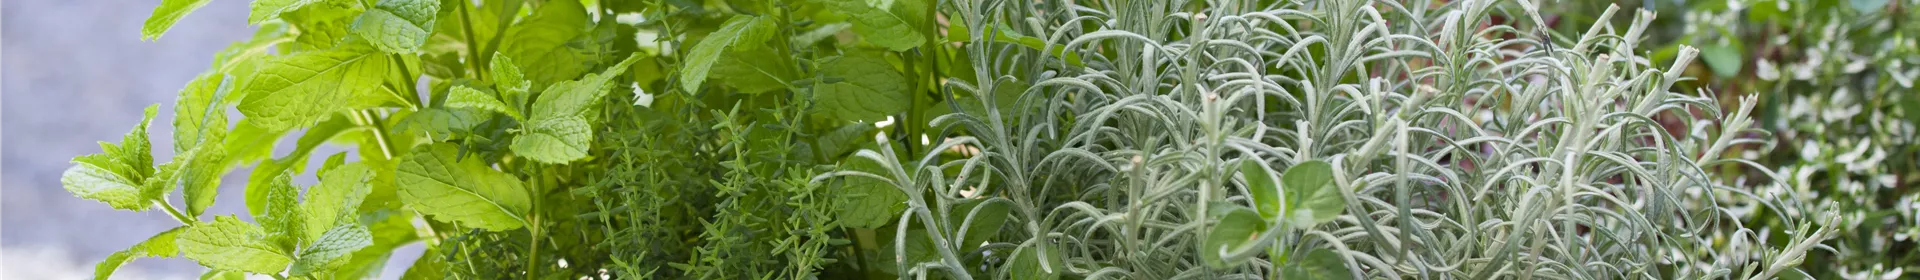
(398, 26)
(1238, 228)
(264, 10)
(117, 175)
(754, 71)
(200, 114)
(1026, 262)
(870, 89)
(434, 181)
(461, 96)
(227, 243)
(284, 221)
(740, 33)
(441, 123)
(299, 90)
(981, 225)
(1723, 59)
(1317, 264)
(555, 140)
(867, 202)
(200, 176)
(1312, 197)
(160, 245)
(1263, 188)
(539, 43)
(332, 249)
(896, 27)
(165, 15)
(560, 129)
(336, 200)
(512, 83)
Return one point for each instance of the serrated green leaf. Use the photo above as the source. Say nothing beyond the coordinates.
(740, 32)
(1263, 188)
(263, 10)
(1238, 228)
(336, 199)
(164, 15)
(867, 202)
(441, 123)
(512, 83)
(754, 71)
(560, 129)
(118, 174)
(539, 43)
(332, 249)
(461, 96)
(433, 181)
(398, 26)
(264, 173)
(1317, 264)
(555, 140)
(200, 115)
(300, 90)
(870, 90)
(200, 176)
(1312, 197)
(896, 27)
(284, 222)
(322, 25)
(227, 243)
(160, 245)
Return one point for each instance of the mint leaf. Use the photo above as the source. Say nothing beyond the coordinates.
(555, 140)
(398, 26)
(299, 90)
(200, 115)
(869, 90)
(117, 175)
(200, 175)
(283, 221)
(539, 42)
(461, 96)
(433, 181)
(1311, 195)
(227, 243)
(263, 10)
(160, 245)
(165, 15)
(895, 27)
(337, 198)
(560, 129)
(754, 71)
(743, 32)
(513, 85)
(331, 249)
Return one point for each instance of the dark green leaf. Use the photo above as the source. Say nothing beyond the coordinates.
(434, 181)
(870, 89)
(1312, 196)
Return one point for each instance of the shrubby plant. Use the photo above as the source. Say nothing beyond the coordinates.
(959, 139)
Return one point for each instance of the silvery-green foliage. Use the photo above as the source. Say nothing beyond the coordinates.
(1461, 148)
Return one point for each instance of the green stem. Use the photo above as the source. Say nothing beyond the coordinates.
(177, 216)
(473, 53)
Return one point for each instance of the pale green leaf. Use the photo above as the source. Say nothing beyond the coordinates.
(332, 249)
(507, 77)
(740, 32)
(200, 114)
(433, 180)
(870, 89)
(160, 245)
(337, 198)
(539, 43)
(896, 27)
(200, 176)
(461, 96)
(283, 221)
(555, 140)
(227, 243)
(118, 174)
(1317, 264)
(1237, 229)
(1312, 197)
(165, 15)
(299, 90)
(398, 26)
(1725, 60)
(263, 10)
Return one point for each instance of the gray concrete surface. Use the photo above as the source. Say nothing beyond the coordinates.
(76, 72)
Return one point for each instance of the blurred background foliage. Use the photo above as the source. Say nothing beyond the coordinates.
(1835, 81)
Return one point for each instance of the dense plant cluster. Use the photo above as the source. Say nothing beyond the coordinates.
(963, 139)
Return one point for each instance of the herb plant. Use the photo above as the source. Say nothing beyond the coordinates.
(855, 139)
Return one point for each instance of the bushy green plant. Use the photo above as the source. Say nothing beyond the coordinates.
(1048, 139)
